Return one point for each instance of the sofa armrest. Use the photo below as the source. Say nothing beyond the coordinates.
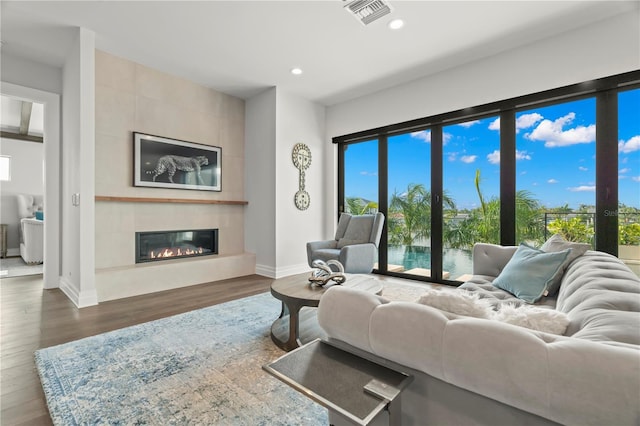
(490, 259)
(344, 314)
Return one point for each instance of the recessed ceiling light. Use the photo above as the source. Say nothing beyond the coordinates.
(396, 24)
(296, 71)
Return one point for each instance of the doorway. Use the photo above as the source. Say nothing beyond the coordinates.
(51, 173)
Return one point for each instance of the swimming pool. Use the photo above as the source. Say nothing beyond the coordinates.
(455, 261)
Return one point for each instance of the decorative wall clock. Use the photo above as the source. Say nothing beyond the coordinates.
(301, 157)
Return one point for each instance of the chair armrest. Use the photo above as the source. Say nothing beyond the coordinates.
(490, 259)
(318, 245)
(359, 258)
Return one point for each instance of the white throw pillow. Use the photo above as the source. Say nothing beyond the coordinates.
(534, 318)
(460, 302)
(467, 303)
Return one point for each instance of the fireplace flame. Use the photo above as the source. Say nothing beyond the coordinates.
(174, 252)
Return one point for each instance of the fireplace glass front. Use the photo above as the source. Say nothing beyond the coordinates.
(165, 245)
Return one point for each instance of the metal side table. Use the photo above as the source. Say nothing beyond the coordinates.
(353, 387)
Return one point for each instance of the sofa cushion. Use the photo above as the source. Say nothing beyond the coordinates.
(558, 243)
(601, 296)
(529, 272)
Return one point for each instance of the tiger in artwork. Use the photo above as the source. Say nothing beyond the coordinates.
(171, 163)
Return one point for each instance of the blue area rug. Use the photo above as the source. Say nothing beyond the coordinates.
(203, 367)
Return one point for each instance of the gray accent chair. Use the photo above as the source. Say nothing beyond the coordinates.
(355, 244)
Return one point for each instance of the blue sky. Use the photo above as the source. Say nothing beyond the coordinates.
(555, 151)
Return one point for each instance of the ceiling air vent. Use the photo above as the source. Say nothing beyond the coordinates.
(367, 11)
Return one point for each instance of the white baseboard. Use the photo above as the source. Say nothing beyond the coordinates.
(266, 271)
(275, 273)
(13, 252)
(80, 299)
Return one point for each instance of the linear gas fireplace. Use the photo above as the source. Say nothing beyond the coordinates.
(165, 245)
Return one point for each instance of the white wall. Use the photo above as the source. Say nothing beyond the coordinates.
(260, 180)
(78, 159)
(27, 166)
(25, 72)
(606, 48)
(275, 230)
(298, 120)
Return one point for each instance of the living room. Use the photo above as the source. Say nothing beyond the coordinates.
(107, 94)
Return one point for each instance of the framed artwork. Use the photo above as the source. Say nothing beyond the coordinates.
(170, 163)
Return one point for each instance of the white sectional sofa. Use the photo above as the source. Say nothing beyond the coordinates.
(482, 371)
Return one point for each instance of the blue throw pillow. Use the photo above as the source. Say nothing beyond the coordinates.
(40, 215)
(530, 272)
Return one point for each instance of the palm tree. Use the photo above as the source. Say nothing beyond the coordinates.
(483, 223)
(356, 205)
(410, 214)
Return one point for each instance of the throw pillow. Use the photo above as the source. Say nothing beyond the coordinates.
(534, 318)
(558, 243)
(458, 302)
(529, 272)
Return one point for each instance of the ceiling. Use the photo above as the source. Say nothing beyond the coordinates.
(21, 119)
(244, 47)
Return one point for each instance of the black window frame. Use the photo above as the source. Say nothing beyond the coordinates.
(605, 90)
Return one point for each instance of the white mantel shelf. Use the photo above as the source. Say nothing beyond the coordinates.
(168, 200)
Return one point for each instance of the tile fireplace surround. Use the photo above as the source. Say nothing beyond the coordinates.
(131, 97)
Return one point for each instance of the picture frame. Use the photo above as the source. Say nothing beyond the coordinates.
(161, 162)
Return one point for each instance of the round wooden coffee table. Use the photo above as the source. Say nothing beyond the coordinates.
(297, 292)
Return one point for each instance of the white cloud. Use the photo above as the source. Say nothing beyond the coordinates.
(636, 178)
(424, 135)
(527, 120)
(495, 124)
(365, 173)
(446, 137)
(552, 181)
(468, 158)
(494, 157)
(469, 123)
(553, 134)
(583, 188)
(631, 145)
(453, 156)
(625, 170)
(582, 169)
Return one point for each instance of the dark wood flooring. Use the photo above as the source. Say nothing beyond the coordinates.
(33, 318)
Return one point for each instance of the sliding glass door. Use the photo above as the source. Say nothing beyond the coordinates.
(556, 172)
(563, 161)
(360, 177)
(409, 203)
(471, 192)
